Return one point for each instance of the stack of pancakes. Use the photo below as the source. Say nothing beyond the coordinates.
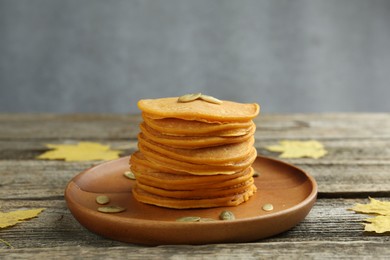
(195, 154)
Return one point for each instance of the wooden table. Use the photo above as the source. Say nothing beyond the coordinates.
(357, 166)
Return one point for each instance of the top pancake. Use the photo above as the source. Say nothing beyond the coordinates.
(198, 110)
(180, 127)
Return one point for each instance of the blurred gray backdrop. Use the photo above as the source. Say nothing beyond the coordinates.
(102, 56)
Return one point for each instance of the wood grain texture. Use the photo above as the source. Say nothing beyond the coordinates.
(270, 250)
(90, 126)
(305, 250)
(330, 220)
(48, 178)
(357, 165)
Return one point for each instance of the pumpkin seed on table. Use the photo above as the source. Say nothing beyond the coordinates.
(189, 97)
(130, 175)
(111, 209)
(102, 199)
(268, 207)
(211, 99)
(227, 215)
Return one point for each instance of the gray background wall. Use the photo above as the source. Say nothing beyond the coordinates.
(102, 56)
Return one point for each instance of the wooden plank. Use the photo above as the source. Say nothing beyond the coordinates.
(339, 151)
(329, 221)
(30, 149)
(42, 179)
(49, 178)
(296, 126)
(302, 250)
(318, 126)
(351, 166)
(87, 126)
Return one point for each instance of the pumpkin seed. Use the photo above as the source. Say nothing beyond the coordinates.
(129, 175)
(211, 99)
(206, 220)
(189, 97)
(188, 219)
(111, 209)
(255, 174)
(268, 207)
(102, 199)
(227, 215)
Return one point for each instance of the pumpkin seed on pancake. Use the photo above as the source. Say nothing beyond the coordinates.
(218, 155)
(199, 110)
(189, 97)
(210, 99)
(180, 127)
(191, 142)
(161, 201)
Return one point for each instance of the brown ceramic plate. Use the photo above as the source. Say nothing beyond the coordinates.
(290, 190)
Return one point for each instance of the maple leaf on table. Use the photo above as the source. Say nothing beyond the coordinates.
(374, 207)
(298, 149)
(380, 223)
(82, 151)
(11, 218)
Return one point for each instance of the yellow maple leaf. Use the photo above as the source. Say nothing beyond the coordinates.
(8, 219)
(374, 207)
(83, 151)
(298, 149)
(378, 224)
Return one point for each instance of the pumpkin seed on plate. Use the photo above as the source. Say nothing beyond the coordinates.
(102, 199)
(189, 97)
(268, 207)
(129, 175)
(188, 219)
(111, 209)
(206, 220)
(227, 215)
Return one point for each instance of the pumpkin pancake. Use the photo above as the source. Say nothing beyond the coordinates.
(198, 110)
(190, 182)
(218, 155)
(232, 200)
(155, 175)
(191, 142)
(201, 193)
(180, 127)
(194, 152)
(137, 159)
(196, 169)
